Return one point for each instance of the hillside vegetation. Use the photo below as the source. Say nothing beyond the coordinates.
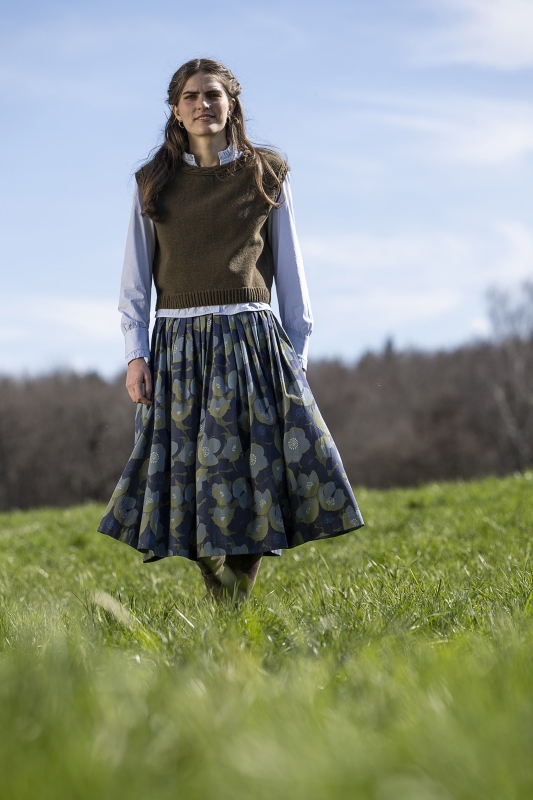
(393, 663)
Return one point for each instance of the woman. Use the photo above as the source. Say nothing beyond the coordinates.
(232, 460)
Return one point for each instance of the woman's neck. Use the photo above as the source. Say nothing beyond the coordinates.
(205, 149)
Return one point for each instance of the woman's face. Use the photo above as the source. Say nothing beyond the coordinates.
(204, 106)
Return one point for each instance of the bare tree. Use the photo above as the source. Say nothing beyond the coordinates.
(511, 379)
(64, 438)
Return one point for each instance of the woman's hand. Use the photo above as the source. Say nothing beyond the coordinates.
(139, 382)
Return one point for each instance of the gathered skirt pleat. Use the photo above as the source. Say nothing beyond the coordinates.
(232, 456)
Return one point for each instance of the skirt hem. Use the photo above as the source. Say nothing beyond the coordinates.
(153, 557)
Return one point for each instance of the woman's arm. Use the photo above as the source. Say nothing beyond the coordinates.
(135, 293)
(291, 286)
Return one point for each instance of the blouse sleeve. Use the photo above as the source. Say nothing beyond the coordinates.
(136, 282)
(291, 285)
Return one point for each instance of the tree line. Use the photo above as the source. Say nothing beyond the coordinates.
(399, 418)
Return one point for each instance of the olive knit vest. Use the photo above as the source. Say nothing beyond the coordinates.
(211, 246)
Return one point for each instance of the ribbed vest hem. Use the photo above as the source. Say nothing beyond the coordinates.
(213, 297)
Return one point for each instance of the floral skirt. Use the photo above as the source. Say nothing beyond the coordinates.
(233, 455)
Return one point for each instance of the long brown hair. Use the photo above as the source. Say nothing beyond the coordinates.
(161, 167)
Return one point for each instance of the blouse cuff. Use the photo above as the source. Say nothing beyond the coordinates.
(137, 344)
(300, 342)
(138, 354)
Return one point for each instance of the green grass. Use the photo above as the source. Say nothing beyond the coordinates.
(394, 663)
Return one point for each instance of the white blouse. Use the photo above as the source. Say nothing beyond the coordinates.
(289, 276)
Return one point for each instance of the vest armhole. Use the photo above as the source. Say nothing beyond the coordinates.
(280, 167)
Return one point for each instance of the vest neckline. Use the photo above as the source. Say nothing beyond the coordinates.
(231, 166)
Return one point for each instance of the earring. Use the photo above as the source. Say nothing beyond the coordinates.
(180, 123)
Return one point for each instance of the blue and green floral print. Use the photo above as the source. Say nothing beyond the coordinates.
(233, 455)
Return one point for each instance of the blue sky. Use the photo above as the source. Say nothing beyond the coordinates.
(408, 127)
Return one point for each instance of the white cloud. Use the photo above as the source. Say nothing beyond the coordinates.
(385, 279)
(517, 263)
(480, 326)
(468, 130)
(488, 33)
(73, 319)
(41, 333)
(401, 283)
(423, 258)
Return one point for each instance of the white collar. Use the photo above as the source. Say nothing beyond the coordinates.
(224, 156)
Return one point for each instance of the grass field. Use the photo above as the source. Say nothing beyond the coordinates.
(394, 663)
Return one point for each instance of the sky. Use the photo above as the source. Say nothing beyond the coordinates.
(408, 128)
